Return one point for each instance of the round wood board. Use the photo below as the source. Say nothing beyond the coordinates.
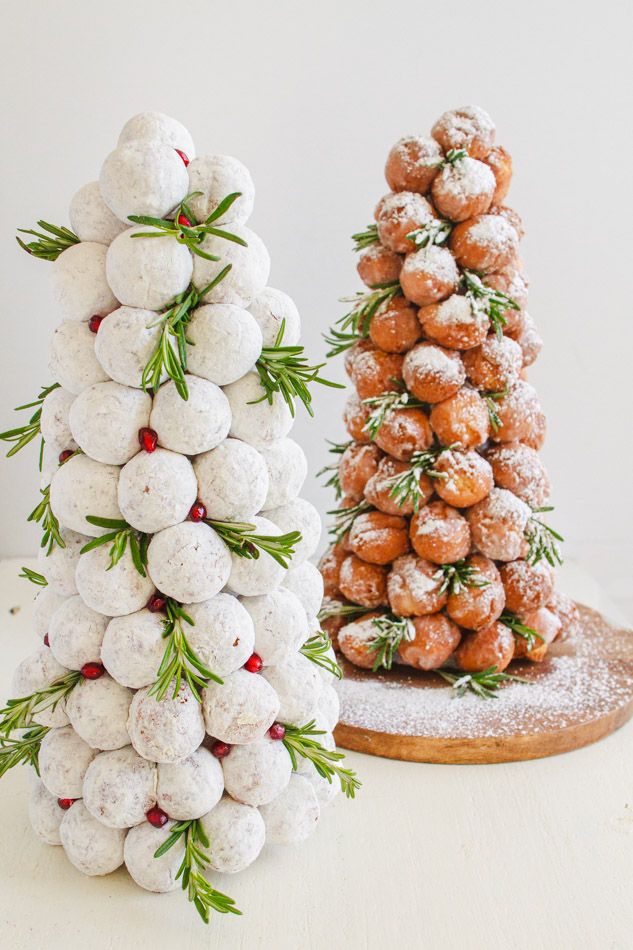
(582, 692)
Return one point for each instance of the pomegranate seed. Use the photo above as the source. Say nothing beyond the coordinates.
(95, 322)
(277, 731)
(148, 439)
(156, 603)
(183, 155)
(254, 663)
(184, 220)
(157, 817)
(47, 642)
(65, 455)
(92, 671)
(220, 749)
(65, 803)
(198, 512)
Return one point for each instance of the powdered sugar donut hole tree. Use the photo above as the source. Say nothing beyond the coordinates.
(179, 708)
(441, 557)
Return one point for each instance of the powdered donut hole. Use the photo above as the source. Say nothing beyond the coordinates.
(377, 266)
(241, 709)
(519, 468)
(60, 565)
(150, 126)
(399, 215)
(329, 703)
(375, 372)
(36, 672)
(439, 533)
(259, 575)
(222, 635)
(379, 490)
(256, 773)
(143, 177)
(468, 478)
(461, 419)
(567, 612)
(194, 425)
(413, 587)
(218, 176)
(454, 323)
(500, 163)
(50, 463)
(45, 814)
(90, 846)
(98, 711)
(436, 637)
(147, 273)
(250, 268)
(476, 607)
(232, 481)
(156, 490)
(80, 288)
(54, 425)
(153, 874)
(280, 624)
(394, 327)
(287, 468)
(404, 432)
(495, 365)
(271, 308)
(81, 487)
(518, 411)
(527, 586)
(126, 342)
(253, 418)
(530, 341)
(225, 343)
(299, 515)
(469, 127)
(490, 646)
(429, 275)
(298, 687)
(165, 730)
(354, 640)
(113, 591)
(413, 163)
(72, 360)
(44, 606)
(432, 373)
(293, 815)
(90, 217)
(76, 633)
(119, 788)
(188, 562)
(363, 583)
(190, 788)
(105, 420)
(355, 416)
(463, 188)
(498, 525)
(357, 465)
(379, 538)
(133, 647)
(485, 243)
(306, 583)
(238, 834)
(64, 758)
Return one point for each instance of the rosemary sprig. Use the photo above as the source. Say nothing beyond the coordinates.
(120, 534)
(241, 539)
(392, 631)
(354, 325)
(542, 540)
(488, 301)
(385, 403)
(491, 400)
(22, 435)
(33, 577)
(183, 229)
(316, 649)
(336, 448)
(19, 712)
(300, 741)
(335, 608)
(366, 238)
(24, 750)
(50, 244)
(454, 155)
(519, 629)
(406, 486)
(43, 515)
(459, 576)
(437, 231)
(194, 863)
(345, 518)
(484, 684)
(284, 369)
(339, 342)
(180, 661)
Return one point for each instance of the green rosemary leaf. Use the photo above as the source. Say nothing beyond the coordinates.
(488, 301)
(491, 400)
(180, 661)
(301, 741)
(392, 631)
(120, 536)
(33, 577)
(335, 608)
(43, 515)
(459, 576)
(437, 231)
(114, 523)
(317, 649)
(22, 751)
(385, 403)
(18, 713)
(364, 239)
(483, 684)
(221, 209)
(405, 486)
(243, 540)
(333, 480)
(23, 435)
(519, 629)
(344, 518)
(51, 241)
(542, 540)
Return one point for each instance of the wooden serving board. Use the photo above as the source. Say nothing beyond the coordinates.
(582, 692)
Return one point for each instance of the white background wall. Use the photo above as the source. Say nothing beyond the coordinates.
(311, 97)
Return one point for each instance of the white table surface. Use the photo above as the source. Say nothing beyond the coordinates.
(522, 856)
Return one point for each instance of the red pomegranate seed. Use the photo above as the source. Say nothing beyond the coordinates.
(65, 803)
(184, 220)
(198, 512)
(65, 455)
(254, 663)
(148, 439)
(47, 642)
(277, 731)
(157, 817)
(95, 322)
(156, 603)
(220, 749)
(183, 155)
(92, 671)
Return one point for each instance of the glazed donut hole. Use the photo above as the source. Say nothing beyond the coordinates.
(36, 672)
(495, 365)
(465, 478)
(165, 730)
(361, 346)
(330, 566)
(232, 481)
(484, 243)
(546, 625)
(363, 583)
(518, 411)
(250, 267)
(537, 432)
(394, 327)
(527, 586)
(299, 515)
(222, 634)
(113, 591)
(490, 646)
(194, 425)
(433, 373)
(133, 648)
(126, 342)
(253, 418)
(81, 487)
(217, 176)
(298, 685)
(399, 214)
(45, 815)
(567, 612)
(76, 633)
(379, 488)
(156, 490)
(119, 788)
(188, 562)
(44, 606)
(98, 711)
(256, 773)
(259, 575)
(150, 126)
(519, 468)
(306, 583)
(143, 177)
(516, 221)
(280, 625)
(224, 342)
(454, 323)
(357, 465)
(92, 847)
(238, 834)
(375, 372)
(510, 280)
(379, 538)
(60, 565)
(498, 525)
(332, 626)
(429, 275)
(54, 425)
(64, 758)
(287, 468)
(271, 308)
(80, 288)
(293, 815)
(90, 218)
(72, 359)
(463, 189)
(105, 420)
(413, 587)
(461, 420)
(152, 874)
(377, 265)
(241, 709)
(413, 163)
(500, 163)
(439, 533)
(190, 788)
(477, 607)
(404, 432)
(436, 638)
(530, 340)
(469, 127)
(355, 416)
(147, 273)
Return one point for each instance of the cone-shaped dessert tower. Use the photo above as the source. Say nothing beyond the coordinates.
(442, 559)
(180, 706)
